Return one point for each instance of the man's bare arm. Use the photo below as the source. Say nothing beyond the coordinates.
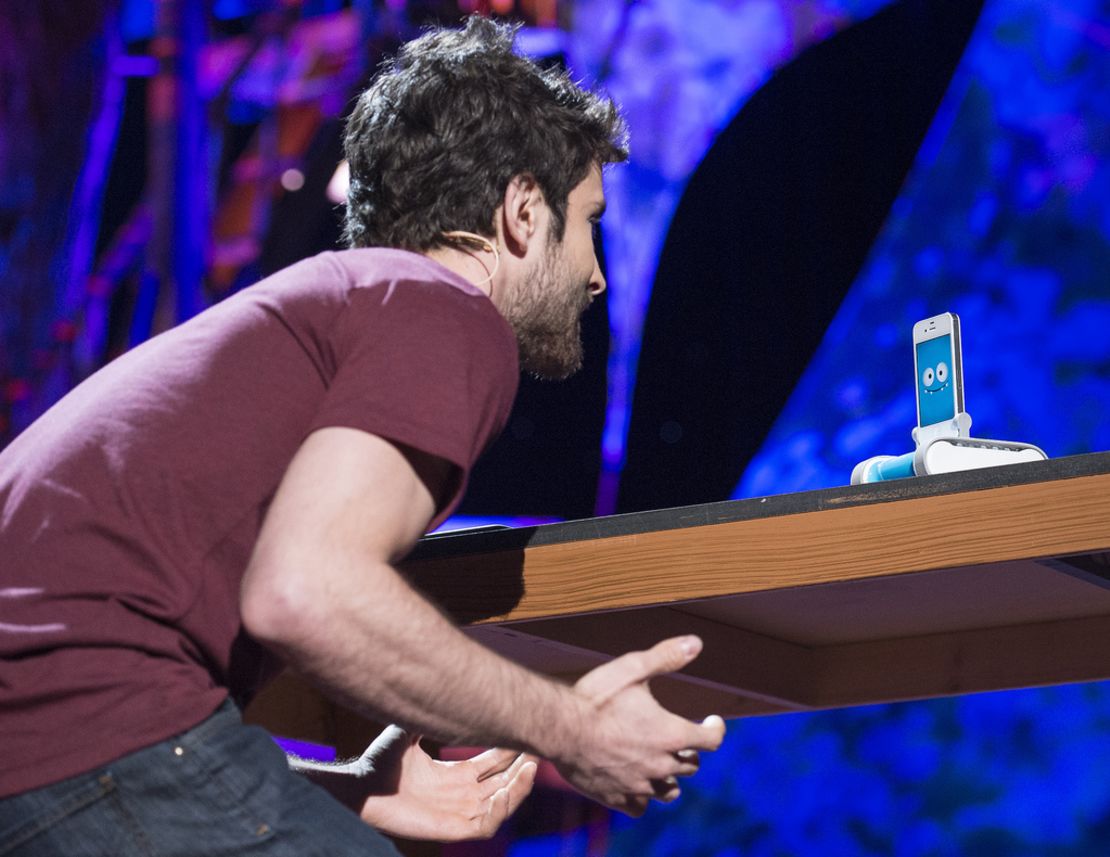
(321, 589)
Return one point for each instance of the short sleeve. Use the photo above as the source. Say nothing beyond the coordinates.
(426, 365)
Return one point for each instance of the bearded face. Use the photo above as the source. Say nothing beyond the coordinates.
(546, 315)
(545, 303)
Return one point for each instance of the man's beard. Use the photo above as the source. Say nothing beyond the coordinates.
(546, 316)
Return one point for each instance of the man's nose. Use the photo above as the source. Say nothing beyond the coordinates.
(597, 280)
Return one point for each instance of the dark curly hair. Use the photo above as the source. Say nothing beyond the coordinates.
(437, 137)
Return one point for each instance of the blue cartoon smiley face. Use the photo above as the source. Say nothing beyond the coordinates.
(936, 401)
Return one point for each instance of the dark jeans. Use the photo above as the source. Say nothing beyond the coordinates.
(221, 788)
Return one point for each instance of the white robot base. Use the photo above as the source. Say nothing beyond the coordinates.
(945, 449)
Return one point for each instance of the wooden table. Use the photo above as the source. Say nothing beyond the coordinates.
(923, 587)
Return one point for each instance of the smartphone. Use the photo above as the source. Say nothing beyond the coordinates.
(939, 369)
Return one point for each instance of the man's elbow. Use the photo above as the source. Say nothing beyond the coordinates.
(276, 606)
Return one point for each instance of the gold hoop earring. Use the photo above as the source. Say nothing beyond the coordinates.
(485, 243)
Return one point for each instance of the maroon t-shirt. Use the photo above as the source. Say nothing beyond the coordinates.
(128, 511)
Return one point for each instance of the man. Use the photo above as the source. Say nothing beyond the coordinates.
(232, 495)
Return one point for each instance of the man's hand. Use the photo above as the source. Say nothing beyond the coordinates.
(450, 801)
(632, 749)
(401, 790)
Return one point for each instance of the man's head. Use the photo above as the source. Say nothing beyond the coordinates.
(434, 142)
(555, 279)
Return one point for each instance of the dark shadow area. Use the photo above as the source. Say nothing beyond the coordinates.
(770, 234)
(305, 222)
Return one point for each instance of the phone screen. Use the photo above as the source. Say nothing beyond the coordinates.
(936, 394)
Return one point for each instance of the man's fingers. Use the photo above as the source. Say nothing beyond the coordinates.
(634, 807)
(688, 762)
(520, 785)
(492, 762)
(497, 810)
(664, 657)
(666, 790)
(716, 724)
(503, 778)
(504, 802)
(706, 735)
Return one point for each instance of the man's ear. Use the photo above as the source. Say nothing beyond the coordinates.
(520, 211)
